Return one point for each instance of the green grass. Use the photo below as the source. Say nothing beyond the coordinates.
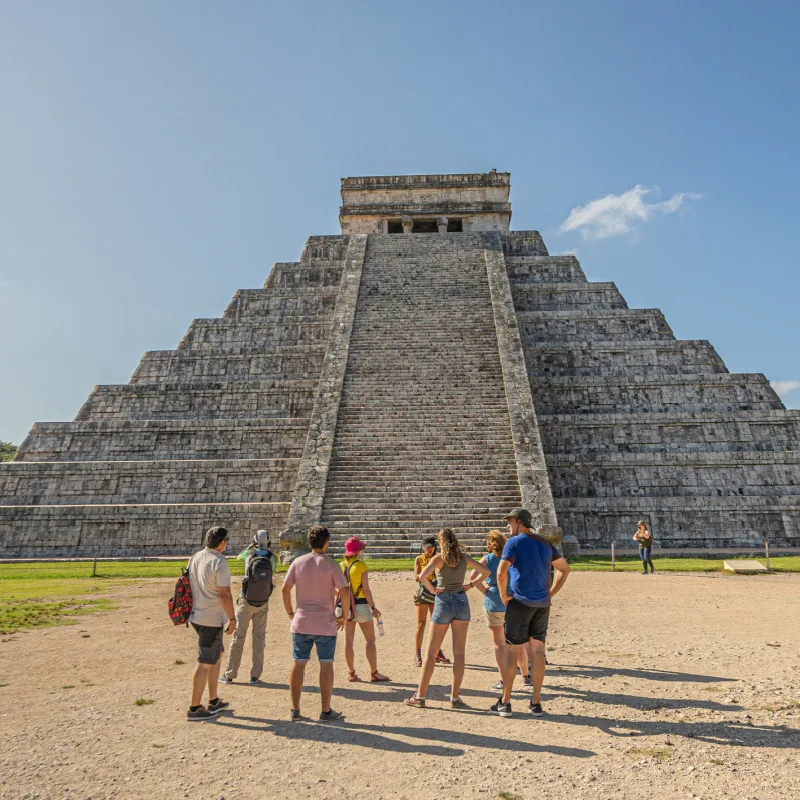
(20, 615)
(52, 579)
(142, 701)
(70, 570)
(695, 564)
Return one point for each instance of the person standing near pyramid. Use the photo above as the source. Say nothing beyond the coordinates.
(252, 606)
(523, 579)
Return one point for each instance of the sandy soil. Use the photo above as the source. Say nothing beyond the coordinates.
(669, 686)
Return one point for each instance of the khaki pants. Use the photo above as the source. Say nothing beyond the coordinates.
(244, 613)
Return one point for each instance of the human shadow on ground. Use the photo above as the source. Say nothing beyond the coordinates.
(585, 671)
(724, 732)
(383, 691)
(635, 701)
(375, 736)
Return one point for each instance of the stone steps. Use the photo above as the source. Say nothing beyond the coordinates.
(415, 447)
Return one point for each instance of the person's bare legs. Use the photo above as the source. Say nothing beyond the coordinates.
(499, 642)
(326, 684)
(422, 619)
(213, 679)
(368, 629)
(525, 658)
(537, 669)
(458, 629)
(510, 671)
(349, 646)
(296, 675)
(199, 683)
(435, 639)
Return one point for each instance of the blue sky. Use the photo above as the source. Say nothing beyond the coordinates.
(155, 157)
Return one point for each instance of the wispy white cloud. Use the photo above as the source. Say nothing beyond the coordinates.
(616, 214)
(784, 387)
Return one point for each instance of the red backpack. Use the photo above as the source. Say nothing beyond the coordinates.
(180, 604)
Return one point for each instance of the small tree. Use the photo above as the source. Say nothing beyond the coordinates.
(7, 451)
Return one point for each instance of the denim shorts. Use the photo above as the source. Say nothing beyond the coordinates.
(302, 643)
(450, 606)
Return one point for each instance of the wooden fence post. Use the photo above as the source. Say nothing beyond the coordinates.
(766, 551)
(613, 558)
(94, 567)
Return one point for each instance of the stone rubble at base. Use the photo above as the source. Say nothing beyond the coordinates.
(395, 381)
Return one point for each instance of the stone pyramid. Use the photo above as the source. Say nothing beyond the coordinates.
(427, 367)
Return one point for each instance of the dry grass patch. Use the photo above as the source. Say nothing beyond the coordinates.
(659, 753)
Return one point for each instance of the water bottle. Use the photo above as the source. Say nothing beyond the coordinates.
(381, 631)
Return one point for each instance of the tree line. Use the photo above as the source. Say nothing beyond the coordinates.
(7, 451)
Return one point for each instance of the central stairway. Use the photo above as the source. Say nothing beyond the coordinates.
(423, 437)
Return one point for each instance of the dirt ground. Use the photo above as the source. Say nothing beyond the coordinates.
(666, 686)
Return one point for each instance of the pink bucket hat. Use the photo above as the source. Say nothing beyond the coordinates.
(353, 546)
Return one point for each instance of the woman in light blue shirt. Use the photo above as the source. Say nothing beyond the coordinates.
(494, 608)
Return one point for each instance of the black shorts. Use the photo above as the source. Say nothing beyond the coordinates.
(525, 622)
(209, 644)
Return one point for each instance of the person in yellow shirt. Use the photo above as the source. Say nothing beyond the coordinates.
(362, 610)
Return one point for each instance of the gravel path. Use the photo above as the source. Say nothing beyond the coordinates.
(666, 686)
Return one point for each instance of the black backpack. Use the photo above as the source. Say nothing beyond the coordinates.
(258, 580)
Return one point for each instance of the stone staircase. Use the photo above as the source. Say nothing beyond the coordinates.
(423, 437)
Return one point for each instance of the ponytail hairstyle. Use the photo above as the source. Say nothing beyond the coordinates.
(495, 541)
(451, 549)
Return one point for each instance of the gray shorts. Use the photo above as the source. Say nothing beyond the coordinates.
(209, 644)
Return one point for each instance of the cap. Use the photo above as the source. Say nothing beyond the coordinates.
(522, 514)
(262, 539)
(353, 546)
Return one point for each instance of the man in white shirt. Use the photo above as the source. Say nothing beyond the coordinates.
(212, 612)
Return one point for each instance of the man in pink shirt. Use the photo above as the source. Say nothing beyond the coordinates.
(316, 578)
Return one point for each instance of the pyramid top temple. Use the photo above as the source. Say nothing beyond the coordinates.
(426, 203)
(427, 367)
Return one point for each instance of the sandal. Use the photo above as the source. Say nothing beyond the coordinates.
(352, 677)
(443, 659)
(376, 677)
(416, 702)
(418, 659)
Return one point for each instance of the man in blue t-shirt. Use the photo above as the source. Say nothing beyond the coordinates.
(524, 582)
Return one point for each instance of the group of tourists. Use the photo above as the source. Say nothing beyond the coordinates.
(518, 577)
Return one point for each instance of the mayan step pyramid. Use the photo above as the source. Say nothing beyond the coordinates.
(426, 367)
